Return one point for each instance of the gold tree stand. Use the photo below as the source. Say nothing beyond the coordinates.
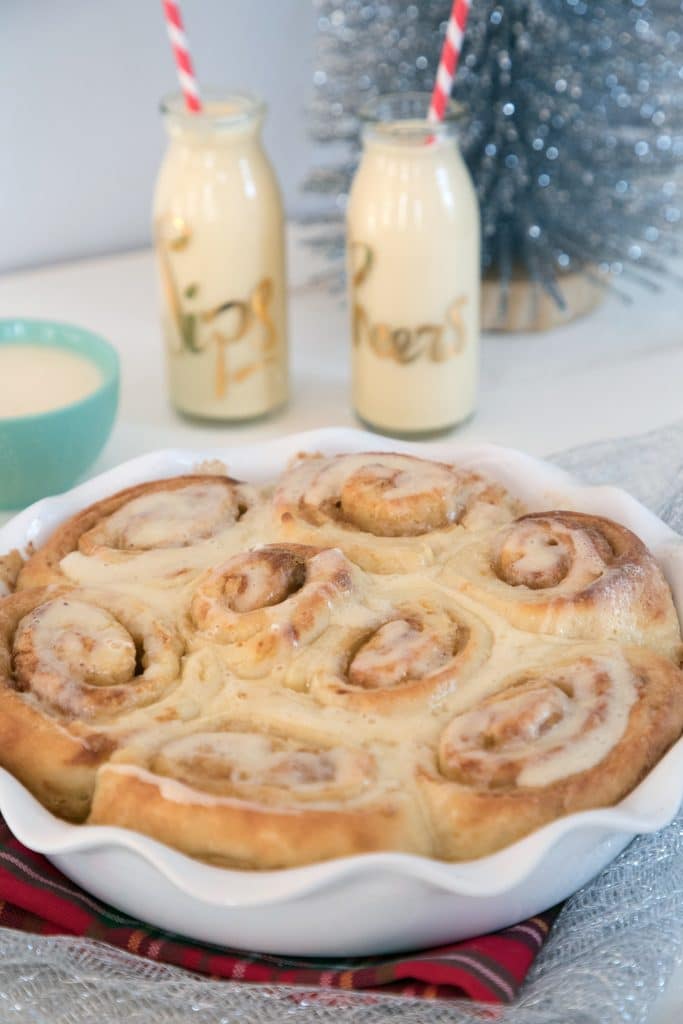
(530, 308)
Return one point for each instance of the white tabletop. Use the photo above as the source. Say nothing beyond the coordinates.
(618, 371)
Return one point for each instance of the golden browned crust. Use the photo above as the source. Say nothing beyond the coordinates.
(10, 565)
(472, 819)
(80, 531)
(264, 831)
(571, 574)
(240, 835)
(56, 765)
(55, 762)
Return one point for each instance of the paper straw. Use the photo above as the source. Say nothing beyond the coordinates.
(449, 59)
(181, 52)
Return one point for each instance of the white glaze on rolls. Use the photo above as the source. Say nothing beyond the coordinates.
(94, 655)
(387, 512)
(411, 681)
(558, 724)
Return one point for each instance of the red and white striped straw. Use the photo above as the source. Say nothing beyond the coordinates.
(449, 59)
(181, 52)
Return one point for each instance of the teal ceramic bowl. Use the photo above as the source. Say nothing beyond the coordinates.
(47, 453)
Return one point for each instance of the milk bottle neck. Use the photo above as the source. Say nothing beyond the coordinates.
(408, 142)
(398, 123)
(225, 120)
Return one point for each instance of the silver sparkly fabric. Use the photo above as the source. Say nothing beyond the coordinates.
(609, 955)
(574, 126)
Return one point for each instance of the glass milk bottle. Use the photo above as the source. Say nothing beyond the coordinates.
(219, 237)
(413, 268)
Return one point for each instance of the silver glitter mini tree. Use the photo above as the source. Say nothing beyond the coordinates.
(573, 133)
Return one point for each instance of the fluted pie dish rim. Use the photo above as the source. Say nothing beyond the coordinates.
(650, 806)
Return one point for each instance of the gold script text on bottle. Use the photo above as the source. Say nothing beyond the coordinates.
(413, 262)
(219, 236)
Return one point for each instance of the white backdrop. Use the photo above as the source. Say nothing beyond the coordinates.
(80, 82)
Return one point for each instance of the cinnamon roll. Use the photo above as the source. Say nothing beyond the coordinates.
(373, 653)
(70, 663)
(571, 574)
(161, 529)
(387, 512)
(413, 657)
(578, 734)
(265, 604)
(234, 795)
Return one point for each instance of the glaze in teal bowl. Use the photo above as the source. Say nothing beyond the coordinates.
(47, 453)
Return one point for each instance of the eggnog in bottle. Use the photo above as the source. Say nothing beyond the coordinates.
(413, 264)
(218, 226)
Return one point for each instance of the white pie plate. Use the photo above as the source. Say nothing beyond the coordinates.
(373, 903)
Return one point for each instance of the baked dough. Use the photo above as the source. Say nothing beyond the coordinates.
(232, 794)
(577, 734)
(387, 512)
(129, 536)
(421, 649)
(571, 574)
(71, 663)
(375, 652)
(262, 606)
(10, 566)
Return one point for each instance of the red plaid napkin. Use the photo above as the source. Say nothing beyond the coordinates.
(36, 897)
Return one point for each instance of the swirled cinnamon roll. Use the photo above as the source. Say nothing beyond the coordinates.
(415, 655)
(163, 529)
(234, 795)
(70, 664)
(387, 512)
(265, 604)
(571, 574)
(580, 733)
